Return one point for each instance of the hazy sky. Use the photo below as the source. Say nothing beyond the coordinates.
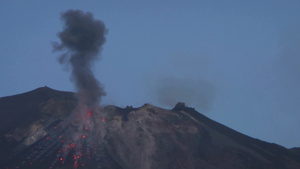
(236, 62)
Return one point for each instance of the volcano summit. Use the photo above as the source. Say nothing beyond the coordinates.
(33, 136)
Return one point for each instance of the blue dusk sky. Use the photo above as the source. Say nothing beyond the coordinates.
(237, 62)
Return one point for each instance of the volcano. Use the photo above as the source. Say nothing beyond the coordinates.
(33, 135)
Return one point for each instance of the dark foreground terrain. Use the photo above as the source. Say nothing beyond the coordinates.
(32, 135)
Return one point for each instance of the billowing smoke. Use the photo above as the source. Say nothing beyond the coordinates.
(82, 39)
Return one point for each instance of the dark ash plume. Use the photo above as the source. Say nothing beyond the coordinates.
(82, 40)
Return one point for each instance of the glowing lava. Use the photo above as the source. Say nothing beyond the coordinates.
(70, 144)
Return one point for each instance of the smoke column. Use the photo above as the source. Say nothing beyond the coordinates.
(82, 40)
(77, 140)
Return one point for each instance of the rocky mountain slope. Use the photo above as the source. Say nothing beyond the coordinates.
(133, 138)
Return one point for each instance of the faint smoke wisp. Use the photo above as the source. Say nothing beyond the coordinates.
(196, 93)
(184, 77)
(287, 67)
(81, 41)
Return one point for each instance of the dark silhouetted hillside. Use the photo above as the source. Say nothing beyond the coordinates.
(133, 138)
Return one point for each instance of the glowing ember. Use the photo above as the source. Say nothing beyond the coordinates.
(89, 113)
(72, 143)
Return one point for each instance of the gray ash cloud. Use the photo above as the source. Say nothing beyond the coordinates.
(81, 40)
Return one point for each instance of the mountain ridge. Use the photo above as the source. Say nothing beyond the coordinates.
(27, 102)
(144, 137)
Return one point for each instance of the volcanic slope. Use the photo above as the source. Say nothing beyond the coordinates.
(133, 138)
